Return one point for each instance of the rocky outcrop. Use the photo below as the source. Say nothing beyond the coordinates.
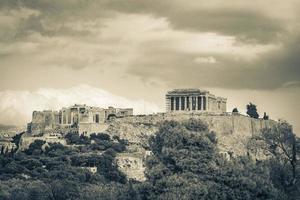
(132, 164)
(233, 131)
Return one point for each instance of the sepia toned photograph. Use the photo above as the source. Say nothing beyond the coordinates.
(149, 100)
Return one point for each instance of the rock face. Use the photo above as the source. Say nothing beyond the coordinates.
(233, 133)
(132, 164)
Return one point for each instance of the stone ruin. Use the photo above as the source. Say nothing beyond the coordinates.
(78, 118)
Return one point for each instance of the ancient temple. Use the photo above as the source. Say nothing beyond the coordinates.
(194, 100)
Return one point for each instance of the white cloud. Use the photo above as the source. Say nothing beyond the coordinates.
(17, 106)
(208, 60)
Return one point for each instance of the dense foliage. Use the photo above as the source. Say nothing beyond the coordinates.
(185, 164)
(284, 149)
(58, 172)
(252, 111)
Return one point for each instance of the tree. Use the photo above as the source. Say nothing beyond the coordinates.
(186, 165)
(75, 138)
(284, 147)
(2, 149)
(266, 117)
(63, 189)
(235, 110)
(35, 147)
(100, 136)
(252, 111)
(16, 140)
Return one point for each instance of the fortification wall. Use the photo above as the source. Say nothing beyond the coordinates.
(26, 140)
(233, 131)
(89, 128)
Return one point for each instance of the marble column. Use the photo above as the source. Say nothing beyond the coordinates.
(66, 117)
(71, 117)
(62, 117)
(179, 107)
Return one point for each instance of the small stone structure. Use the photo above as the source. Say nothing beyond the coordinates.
(26, 139)
(132, 164)
(6, 143)
(194, 100)
(93, 170)
(83, 119)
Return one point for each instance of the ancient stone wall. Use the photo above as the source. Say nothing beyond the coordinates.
(233, 131)
(89, 128)
(26, 140)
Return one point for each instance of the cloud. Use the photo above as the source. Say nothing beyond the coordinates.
(145, 46)
(17, 106)
(240, 67)
(248, 21)
(245, 42)
(291, 84)
(208, 60)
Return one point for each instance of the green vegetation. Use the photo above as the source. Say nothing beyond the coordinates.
(284, 149)
(57, 172)
(235, 110)
(185, 164)
(252, 111)
(265, 117)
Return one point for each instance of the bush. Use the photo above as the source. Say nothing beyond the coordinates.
(100, 136)
(35, 147)
(185, 165)
(235, 110)
(75, 138)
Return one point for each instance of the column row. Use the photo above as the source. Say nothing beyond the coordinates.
(188, 103)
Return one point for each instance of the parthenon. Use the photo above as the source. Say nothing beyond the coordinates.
(194, 100)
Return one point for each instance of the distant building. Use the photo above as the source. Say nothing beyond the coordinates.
(194, 100)
(26, 140)
(81, 118)
(93, 170)
(6, 143)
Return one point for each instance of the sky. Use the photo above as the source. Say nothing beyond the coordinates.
(128, 53)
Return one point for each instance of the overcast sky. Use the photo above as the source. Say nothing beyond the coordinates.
(130, 52)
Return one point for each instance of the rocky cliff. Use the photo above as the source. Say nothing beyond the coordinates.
(233, 133)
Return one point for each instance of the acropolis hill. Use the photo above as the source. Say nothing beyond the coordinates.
(232, 129)
(181, 104)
